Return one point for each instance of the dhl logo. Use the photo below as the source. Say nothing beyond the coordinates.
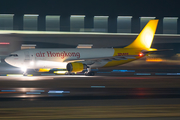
(123, 54)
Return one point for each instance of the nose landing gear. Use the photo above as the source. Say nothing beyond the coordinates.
(25, 74)
(24, 71)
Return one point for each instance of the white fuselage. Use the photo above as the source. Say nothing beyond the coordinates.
(54, 58)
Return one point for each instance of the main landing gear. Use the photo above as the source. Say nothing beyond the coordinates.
(89, 72)
(69, 73)
(86, 73)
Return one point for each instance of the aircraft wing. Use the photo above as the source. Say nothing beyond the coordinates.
(103, 58)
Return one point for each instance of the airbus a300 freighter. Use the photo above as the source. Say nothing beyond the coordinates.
(82, 59)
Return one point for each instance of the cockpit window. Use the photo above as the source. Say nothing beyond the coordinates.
(15, 55)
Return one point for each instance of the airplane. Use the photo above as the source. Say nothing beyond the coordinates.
(83, 59)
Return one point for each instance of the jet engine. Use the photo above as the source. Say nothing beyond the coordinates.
(76, 67)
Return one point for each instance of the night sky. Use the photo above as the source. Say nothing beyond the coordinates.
(92, 7)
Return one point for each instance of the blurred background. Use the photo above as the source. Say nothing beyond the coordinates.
(148, 88)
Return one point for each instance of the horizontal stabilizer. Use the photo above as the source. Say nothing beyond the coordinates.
(153, 51)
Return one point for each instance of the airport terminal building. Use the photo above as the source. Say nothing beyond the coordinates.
(85, 23)
(114, 16)
(115, 19)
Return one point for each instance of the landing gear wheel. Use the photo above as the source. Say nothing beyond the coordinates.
(67, 73)
(25, 74)
(90, 74)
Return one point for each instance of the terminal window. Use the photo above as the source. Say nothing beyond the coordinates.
(6, 21)
(124, 24)
(170, 25)
(30, 22)
(52, 23)
(77, 23)
(101, 24)
(144, 21)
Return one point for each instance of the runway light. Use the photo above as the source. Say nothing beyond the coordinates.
(33, 93)
(97, 86)
(123, 71)
(160, 73)
(142, 73)
(173, 73)
(8, 90)
(55, 91)
(61, 91)
(154, 60)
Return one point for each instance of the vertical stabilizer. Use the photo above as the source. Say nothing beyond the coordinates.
(145, 38)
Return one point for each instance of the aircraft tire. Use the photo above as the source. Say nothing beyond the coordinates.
(90, 74)
(25, 74)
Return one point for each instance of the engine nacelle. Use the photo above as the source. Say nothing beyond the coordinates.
(76, 67)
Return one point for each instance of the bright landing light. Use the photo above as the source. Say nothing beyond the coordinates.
(24, 69)
(31, 63)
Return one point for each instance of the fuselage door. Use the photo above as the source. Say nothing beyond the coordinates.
(29, 59)
(27, 56)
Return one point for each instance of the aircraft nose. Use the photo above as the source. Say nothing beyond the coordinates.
(8, 60)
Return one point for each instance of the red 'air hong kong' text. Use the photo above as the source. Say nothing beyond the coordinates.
(62, 55)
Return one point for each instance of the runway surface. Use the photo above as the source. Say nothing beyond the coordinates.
(81, 81)
(118, 90)
(89, 87)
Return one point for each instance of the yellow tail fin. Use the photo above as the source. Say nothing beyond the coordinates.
(145, 38)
